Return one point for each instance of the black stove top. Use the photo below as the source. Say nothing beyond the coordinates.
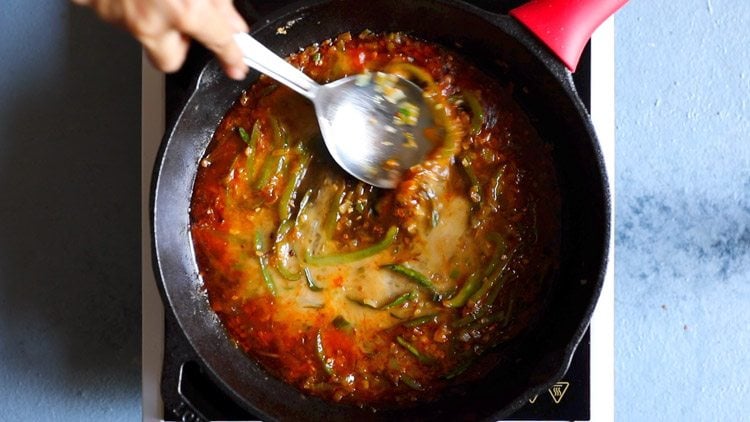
(189, 394)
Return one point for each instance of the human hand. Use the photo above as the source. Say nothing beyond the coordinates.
(164, 28)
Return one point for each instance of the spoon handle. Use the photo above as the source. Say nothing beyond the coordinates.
(260, 58)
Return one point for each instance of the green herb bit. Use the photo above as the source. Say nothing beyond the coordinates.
(320, 351)
(311, 283)
(353, 256)
(408, 114)
(413, 275)
(244, 135)
(414, 351)
(317, 58)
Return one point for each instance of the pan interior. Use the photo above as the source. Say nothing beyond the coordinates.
(500, 48)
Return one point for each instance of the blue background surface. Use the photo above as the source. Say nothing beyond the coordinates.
(69, 216)
(682, 296)
(70, 222)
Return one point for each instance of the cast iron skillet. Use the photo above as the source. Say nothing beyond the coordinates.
(505, 50)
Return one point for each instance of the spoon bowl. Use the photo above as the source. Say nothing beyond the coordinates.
(373, 124)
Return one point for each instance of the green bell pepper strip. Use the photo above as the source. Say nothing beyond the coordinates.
(320, 351)
(263, 260)
(492, 283)
(500, 248)
(272, 166)
(396, 302)
(470, 286)
(401, 300)
(266, 273)
(475, 190)
(477, 111)
(459, 369)
(414, 351)
(280, 139)
(353, 256)
(411, 382)
(286, 201)
(286, 272)
(284, 228)
(329, 224)
(415, 322)
(413, 275)
(311, 283)
(362, 303)
(252, 144)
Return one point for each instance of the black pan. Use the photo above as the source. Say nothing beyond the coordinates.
(505, 50)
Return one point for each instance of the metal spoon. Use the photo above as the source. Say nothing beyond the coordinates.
(373, 124)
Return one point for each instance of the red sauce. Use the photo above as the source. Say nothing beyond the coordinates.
(371, 296)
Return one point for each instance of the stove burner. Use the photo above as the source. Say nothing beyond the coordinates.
(188, 392)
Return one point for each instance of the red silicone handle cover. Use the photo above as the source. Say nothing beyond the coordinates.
(565, 26)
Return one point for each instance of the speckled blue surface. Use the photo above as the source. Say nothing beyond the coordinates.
(69, 246)
(69, 216)
(683, 211)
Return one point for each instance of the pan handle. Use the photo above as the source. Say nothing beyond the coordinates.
(565, 26)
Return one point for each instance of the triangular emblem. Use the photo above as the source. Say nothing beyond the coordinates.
(558, 391)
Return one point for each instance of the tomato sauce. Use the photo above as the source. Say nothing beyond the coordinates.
(369, 296)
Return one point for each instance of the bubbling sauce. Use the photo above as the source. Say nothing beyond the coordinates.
(368, 296)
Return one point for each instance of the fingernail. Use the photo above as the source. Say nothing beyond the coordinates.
(237, 73)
